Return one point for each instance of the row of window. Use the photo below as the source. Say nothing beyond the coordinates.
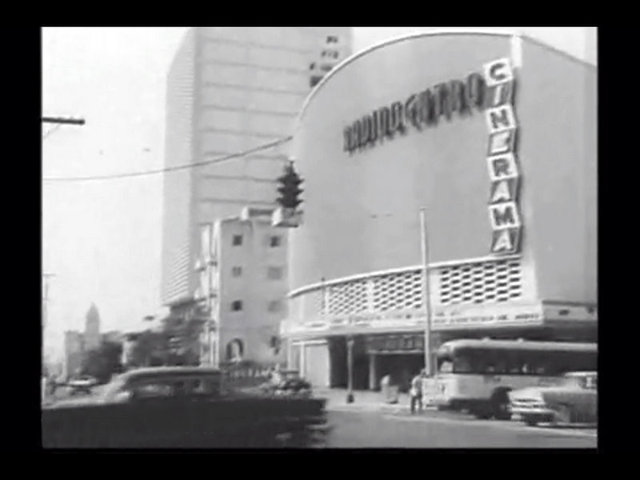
(274, 240)
(273, 306)
(525, 363)
(273, 273)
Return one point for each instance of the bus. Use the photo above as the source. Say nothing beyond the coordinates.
(476, 375)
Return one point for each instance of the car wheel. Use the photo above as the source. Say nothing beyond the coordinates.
(531, 420)
(481, 412)
(500, 405)
(563, 414)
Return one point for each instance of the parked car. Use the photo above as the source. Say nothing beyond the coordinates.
(288, 383)
(81, 384)
(169, 407)
(574, 400)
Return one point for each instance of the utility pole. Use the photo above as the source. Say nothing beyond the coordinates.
(350, 342)
(426, 292)
(45, 313)
(45, 303)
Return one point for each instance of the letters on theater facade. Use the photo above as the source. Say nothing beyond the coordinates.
(502, 162)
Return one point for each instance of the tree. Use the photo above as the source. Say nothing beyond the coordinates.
(103, 362)
(183, 336)
(150, 349)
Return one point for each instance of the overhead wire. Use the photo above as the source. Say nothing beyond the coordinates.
(173, 168)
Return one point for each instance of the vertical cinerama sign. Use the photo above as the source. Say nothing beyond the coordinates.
(502, 162)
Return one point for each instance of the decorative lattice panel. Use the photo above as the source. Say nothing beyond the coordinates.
(347, 298)
(313, 303)
(486, 282)
(397, 291)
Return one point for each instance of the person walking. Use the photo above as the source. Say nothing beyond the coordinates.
(416, 391)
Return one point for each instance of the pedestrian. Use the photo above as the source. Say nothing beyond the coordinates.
(416, 391)
(52, 386)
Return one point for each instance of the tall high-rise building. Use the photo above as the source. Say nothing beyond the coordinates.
(92, 337)
(231, 90)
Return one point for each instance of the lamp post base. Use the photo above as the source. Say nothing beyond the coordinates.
(350, 398)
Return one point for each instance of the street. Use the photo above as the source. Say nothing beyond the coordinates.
(374, 429)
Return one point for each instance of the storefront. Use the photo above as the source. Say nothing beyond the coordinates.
(495, 136)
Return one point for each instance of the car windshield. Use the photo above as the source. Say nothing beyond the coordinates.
(589, 382)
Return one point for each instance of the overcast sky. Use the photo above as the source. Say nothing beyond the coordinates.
(102, 238)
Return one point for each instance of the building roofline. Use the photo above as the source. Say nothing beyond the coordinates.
(412, 36)
(377, 273)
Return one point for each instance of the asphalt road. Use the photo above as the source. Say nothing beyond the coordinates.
(365, 429)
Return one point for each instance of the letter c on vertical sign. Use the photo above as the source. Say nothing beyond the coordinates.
(498, 71)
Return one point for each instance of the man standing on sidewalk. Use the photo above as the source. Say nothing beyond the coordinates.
(416, 391)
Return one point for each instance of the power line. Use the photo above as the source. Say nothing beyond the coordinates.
(172, 169)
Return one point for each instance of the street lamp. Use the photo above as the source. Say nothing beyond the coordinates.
(350, 398)
(426, 292)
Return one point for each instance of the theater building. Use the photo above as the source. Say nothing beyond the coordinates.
(494, 135)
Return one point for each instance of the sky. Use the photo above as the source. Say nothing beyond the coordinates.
(102, 239)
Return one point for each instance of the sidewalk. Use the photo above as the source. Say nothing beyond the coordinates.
(363, 400)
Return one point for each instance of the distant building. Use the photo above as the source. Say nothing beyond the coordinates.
(92, 338)
(230, 90)
(113, 336)
(73, 353)
(129, 341)
(243, 271)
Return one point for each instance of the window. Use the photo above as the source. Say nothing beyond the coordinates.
(236, 271)
(274, 273)
(275, 306)
(237, 240)
(274, 343)
(236, 305)
(152, 390)
(235, 350)
(462, 364)
(275, 241)
(332, 39)
(446, 366)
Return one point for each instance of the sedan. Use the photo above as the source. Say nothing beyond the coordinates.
(575, 400)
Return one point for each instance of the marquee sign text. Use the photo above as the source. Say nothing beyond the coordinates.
(422, 110)
(504, 174)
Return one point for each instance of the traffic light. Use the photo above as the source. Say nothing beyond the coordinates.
(289, 188)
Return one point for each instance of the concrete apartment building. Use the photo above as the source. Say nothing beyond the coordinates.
(231, 90)
(246, 276)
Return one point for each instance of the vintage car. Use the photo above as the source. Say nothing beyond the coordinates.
(176, 407)
(573, 400)
(81, 384)
(287, 383)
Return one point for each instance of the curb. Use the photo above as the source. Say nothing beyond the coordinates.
(368, 407)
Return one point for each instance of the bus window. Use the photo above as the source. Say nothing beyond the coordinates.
(445, 366)
(462, 364)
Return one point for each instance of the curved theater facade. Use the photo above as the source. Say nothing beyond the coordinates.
(495, 136)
